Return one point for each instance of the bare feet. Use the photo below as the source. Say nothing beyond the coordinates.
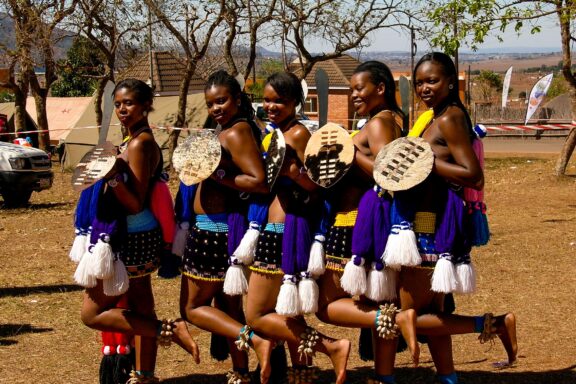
(506, 330)
(406, 320)
(338, 351)
(183, 338)
(263, 349)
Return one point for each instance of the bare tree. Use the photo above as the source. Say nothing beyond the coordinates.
(200, 22)
(340, 25)
(107, 23)
(479, 18)
(35, 25)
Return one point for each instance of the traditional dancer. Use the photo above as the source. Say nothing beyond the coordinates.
(373, 95)
(434, 209)
(219, 216)
(279, 278)
(125, 222)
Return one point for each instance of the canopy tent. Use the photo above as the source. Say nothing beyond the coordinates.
(84, 134)
(7, 116)
(62, 114)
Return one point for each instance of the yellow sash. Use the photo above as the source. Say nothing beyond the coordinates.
(421, 123)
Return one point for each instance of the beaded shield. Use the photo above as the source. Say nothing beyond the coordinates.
(95, 165)
(403, 163)
(197, 157)
(275, 156)
(329, 154)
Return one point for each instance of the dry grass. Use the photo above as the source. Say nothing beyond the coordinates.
(528, 268)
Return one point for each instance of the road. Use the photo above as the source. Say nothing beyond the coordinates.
(520, 145)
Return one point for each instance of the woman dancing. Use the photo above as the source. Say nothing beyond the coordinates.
(126, 199)
(215, 204)
(286, 233)
(445, 253)
(373, 95)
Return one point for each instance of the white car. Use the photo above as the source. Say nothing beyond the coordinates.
(22, 171)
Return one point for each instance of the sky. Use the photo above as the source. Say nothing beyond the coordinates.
(549, 37)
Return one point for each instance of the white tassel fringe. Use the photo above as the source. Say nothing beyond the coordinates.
(287, 303)
(83, 275)
(180, 237)
(102, 258)
(401, 250)
(118, 283)
(381, 285)
(466, 278)
(78, 247)
(247, 247)
(353, 280)
(235, 281)
(316, 265)
(444, 276)
(308, 293)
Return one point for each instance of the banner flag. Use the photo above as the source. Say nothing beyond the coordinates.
(506, 87)
(537, 94)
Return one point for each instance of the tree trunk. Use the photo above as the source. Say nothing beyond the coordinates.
(42, 120)
(19, 111)
(181, 115)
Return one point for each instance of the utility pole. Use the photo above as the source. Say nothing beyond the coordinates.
(150, 49)
(413, 49)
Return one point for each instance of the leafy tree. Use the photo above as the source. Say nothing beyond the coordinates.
(487, 83)
(557, 87)
(77, 74)
(471, 21)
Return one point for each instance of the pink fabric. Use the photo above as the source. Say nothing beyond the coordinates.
(163, 209)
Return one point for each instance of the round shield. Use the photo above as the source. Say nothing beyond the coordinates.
(274, 156)
(95, 165)
(197, 157)
(403, 163)
(329, 154)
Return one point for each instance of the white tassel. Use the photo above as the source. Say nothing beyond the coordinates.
(316, 265)
(118, 283)
(180, 237)
(381, 283)
(444, 276)
(287, 303)
(353, 280)
(401, 247)
(102, 258)
(308, 293)
(247, 247)
(78, 246)
(83, 275)
(466, 278)
(235, 281)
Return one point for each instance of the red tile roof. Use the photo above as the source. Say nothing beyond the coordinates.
(339, 71)
(167, 72)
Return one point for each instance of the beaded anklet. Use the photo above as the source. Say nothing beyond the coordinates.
(243, 340)
(385, 321)
(308, 340)
(235, 377)
(165, 333)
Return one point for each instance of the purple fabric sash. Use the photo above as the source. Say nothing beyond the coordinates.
(296, 244)
(236, 228)
(450, 231)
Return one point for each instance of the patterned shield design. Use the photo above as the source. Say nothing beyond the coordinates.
(274, 156)
(403, 163)
(329, 154)
(95, 165)
(197, 157)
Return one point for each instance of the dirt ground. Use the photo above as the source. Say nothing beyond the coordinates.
(527, 268)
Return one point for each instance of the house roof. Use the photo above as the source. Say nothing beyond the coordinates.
(167, 71)
(339, 71)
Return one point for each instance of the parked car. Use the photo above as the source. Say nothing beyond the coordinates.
(22, 171)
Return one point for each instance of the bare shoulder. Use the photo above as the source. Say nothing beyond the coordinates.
(237, 131)
(453, 122)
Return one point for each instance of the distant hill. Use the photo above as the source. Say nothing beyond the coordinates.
(62, 39)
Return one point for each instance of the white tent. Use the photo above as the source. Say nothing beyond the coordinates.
(84, 134)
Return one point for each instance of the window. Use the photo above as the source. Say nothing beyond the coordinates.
(311, 105)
